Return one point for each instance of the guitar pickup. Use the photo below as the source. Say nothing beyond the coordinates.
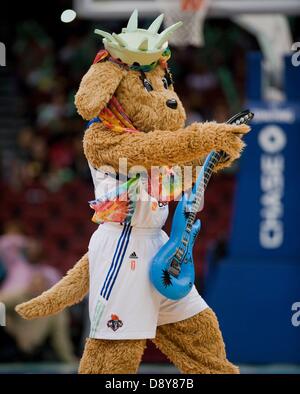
(174, 268)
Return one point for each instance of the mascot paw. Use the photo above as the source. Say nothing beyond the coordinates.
(230, 139)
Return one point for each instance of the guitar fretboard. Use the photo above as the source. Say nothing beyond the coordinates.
(208, 167)
(211, 161)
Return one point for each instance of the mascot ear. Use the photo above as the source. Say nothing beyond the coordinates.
(97, 87)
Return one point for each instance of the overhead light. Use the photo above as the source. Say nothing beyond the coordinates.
(68, 16)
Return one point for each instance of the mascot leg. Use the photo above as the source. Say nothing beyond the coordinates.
(195, 345)
(111, 357)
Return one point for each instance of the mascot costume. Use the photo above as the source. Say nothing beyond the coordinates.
(133, 112)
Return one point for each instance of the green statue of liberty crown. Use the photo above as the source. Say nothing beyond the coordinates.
(136, 45)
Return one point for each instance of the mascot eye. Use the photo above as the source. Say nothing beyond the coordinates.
(168, 78)
(147, 85)
(165, 82)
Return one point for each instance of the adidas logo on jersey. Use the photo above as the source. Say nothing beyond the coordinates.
(133, 256)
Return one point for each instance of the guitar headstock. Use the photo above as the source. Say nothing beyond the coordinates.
(242, 117)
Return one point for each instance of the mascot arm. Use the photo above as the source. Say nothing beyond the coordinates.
(162, 147)
(68, 291)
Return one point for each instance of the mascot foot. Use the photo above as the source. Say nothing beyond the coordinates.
(195, 345)
(111, 357)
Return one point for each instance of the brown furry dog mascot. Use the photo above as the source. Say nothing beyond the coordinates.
(134, 113)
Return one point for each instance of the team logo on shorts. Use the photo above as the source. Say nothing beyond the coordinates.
(114, 323)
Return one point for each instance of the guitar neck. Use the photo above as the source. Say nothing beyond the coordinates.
(206, 172)
(211, 161)
(194, 200)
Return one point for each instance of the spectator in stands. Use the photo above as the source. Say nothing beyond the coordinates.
(18, 270)
(28, 277)
(21, 258)
(31, 336)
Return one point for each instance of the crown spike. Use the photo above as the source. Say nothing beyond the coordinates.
(144, 45)
(104, 34)
(133, 21)
(155, 25)
(163, 37)
(119, 40)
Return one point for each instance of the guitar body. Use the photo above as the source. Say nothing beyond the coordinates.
(168, 285)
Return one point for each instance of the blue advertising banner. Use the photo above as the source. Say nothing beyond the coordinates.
(255, 290)
(267, 201)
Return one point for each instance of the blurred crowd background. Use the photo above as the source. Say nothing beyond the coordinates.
(45, 182)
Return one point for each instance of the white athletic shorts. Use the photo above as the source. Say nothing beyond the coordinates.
(123, 304)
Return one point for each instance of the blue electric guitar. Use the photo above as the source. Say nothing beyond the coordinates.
(172, 270)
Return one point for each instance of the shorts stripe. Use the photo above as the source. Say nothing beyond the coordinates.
(120, 263)
(97, 317)
(113, 260)
(116, 263)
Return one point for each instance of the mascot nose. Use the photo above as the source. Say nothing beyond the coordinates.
(172, 103)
